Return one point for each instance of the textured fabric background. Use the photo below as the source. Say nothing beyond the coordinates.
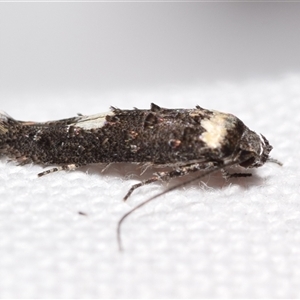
(209, 239)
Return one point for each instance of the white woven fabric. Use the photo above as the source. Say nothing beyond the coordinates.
(211, 239)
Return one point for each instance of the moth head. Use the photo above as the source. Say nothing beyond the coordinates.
(255, 150)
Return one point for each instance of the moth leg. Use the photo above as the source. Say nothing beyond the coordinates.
(228, 175)
(166, 176)
(60, 168)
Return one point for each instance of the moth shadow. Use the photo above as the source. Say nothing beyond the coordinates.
(139, 172)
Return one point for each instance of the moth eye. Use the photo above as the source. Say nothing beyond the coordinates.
(248, 162)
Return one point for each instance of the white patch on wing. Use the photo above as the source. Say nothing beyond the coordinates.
(216, 128)
(93, 121)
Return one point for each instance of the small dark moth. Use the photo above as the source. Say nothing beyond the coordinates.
(187, 140)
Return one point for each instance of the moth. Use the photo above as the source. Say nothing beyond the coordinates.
(185, 140)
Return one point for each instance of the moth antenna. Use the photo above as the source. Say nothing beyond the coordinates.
(275, 161)
(165, 192)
